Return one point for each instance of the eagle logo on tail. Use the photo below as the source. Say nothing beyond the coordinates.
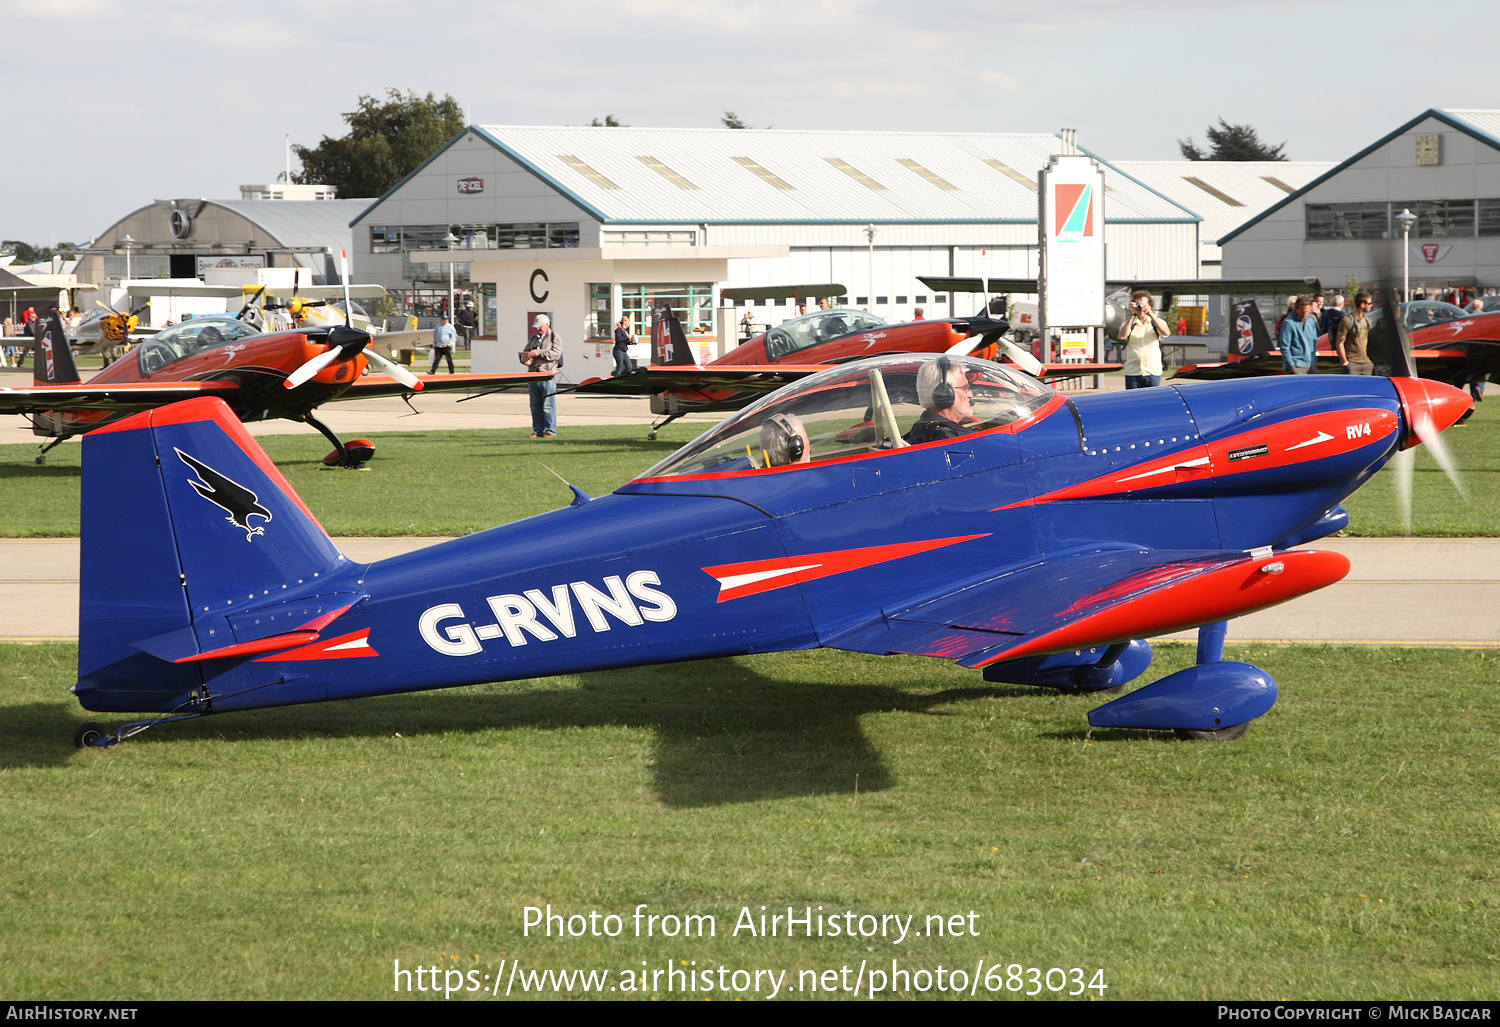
(238, 502)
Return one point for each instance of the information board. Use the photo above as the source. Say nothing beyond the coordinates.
(1070, 226)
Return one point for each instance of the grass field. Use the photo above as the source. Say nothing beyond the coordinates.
(451, 483)
(1346, 847)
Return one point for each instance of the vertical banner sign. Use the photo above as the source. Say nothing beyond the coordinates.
(1071, 230)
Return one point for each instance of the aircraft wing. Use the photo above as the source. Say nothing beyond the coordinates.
(392, 341)
(372, 385)
(739, 378)
(123, 397)
(1089, 599)
(138, 287)
(327, 292)
(1176, 286)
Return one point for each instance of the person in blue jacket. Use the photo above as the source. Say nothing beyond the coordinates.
(1298, 339)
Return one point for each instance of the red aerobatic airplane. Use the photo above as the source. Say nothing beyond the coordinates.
(260, 376)
(678, 384)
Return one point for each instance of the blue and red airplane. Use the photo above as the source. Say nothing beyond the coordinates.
(960, 510)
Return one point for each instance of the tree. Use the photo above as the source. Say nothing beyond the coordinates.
(25, 253)
(1232, 142)
(386, 141)
(732, 120)
(610, 121)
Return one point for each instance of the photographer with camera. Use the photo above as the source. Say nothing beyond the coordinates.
(1142, 335)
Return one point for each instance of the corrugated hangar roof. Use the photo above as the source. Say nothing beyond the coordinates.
(1487, 122)
(298, 222)
(1225, 193)
(676, 175)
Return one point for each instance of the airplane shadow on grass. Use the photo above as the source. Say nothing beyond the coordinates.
(723, 733)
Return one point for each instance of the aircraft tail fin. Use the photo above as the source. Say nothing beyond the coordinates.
(669, 343)
(1248, 334)
(187, 526)
(52, 359)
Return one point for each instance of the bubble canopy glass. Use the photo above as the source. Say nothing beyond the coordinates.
(856, 408)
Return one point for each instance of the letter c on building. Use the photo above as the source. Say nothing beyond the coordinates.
(539, 273)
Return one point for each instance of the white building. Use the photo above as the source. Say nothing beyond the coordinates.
(1443, 165)
(592, 223)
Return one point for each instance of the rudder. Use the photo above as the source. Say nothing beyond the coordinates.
(186, 523)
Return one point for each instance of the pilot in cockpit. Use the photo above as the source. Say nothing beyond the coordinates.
(783, 440)
(947, 401)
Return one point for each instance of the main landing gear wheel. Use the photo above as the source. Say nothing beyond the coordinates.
(1220, 734)
(88, 734)
(650, 437)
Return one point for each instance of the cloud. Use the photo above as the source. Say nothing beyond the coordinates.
(1008, 85)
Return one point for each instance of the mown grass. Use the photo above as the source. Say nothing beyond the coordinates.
(420, 483)
(1346, 847)
(456, 482)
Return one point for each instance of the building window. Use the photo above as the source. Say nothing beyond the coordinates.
(600, 324)
(650, 238)
(1440, 219)
(385, 240)
(900, 299)
(522, 236)
(692, 302)
(1348, 221)
(1488, 217)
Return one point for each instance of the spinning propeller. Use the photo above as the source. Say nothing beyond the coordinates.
(345, 343)
(1427, 406)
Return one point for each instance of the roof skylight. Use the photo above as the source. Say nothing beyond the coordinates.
(854, 173)
(586, 171)
(931, 176)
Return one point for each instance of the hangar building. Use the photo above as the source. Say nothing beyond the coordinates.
(1442, 165)
(269, 226)
(592, 223)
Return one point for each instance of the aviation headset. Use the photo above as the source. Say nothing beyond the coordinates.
(785, 439)
(943, 395)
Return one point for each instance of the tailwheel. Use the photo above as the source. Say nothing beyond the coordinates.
(1218, 734)
(89, 734)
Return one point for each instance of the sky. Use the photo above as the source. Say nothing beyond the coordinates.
(110, 105)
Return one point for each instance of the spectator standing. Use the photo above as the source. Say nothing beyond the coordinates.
(468, 324)
(1352, 337)
(918, 315)
(542, 355)
(443, 338)
(1142, 336)
(1328, 324)
(1297, 337)
(747, 325)
(621, 350)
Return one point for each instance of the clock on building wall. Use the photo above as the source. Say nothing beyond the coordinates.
(1427, 151)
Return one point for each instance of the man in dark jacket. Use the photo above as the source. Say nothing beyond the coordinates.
(468, 324)
(543, 352)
